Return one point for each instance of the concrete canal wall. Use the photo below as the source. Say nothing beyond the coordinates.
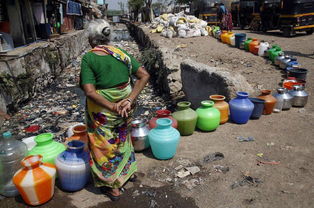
(27, 70)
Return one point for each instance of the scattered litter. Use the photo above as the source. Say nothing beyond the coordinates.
(286, 147)
(169, 179)
(190, 184)
(32, 128)
(153, 204)
(268, 162)
(182, 46)
(270, 143)
(286, 192)
(149, 193)
(213, 157)
(63, 112)
(193, 170)
(182, 174)
(70, 85)
(221, 169)
(243, 139)
(260, 154)
(246, 180)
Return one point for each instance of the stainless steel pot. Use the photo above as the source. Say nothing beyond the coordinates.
(278, 59)
(284, 62)
(139, 135)
(284, 100)
(300, 97)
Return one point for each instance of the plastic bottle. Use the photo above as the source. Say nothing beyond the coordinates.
(11, 153)
(262, 48)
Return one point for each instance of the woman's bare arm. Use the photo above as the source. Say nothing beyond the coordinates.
(90, 92)
(142, 79)
(125, 105)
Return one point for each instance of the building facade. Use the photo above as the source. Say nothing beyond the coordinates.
(25, 21)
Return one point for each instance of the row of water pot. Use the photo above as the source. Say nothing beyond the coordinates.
(31, 169)
(161, 133)
(261, 48)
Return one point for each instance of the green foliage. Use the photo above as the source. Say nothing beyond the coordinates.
(114, 12)
(135, 5)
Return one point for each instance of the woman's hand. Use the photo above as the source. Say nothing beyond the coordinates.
(114, 107)
(124, 106)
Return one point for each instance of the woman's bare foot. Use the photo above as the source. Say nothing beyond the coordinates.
(115, 192)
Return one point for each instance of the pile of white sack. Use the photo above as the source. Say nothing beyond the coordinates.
(179, 25)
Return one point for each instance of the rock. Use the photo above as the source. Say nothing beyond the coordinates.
(213, 157)
(135, 193)
(200, 80)
(168, 179)
(193, 170)
(302, 110)
(220, 168)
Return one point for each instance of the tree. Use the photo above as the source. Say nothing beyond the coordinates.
(149, 15)
(161, 5)
(135, 6)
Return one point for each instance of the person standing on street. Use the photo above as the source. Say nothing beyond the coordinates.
(105, 79)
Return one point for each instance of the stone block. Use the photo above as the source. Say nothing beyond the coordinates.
(199, 81)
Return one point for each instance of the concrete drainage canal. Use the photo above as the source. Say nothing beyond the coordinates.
(61, 105)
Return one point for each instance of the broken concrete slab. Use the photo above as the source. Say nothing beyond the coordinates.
(193, 170)
(178, 167)
(199, 81)
(182, 174)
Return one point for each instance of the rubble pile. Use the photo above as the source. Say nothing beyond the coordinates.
(179, 25)
(62, 104)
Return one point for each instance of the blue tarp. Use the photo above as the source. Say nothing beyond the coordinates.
(74, 8)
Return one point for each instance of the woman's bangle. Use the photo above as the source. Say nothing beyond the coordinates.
(128, 99)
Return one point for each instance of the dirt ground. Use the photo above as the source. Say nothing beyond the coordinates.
(286, 137)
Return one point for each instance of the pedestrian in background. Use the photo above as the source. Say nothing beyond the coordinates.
(224, 17)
